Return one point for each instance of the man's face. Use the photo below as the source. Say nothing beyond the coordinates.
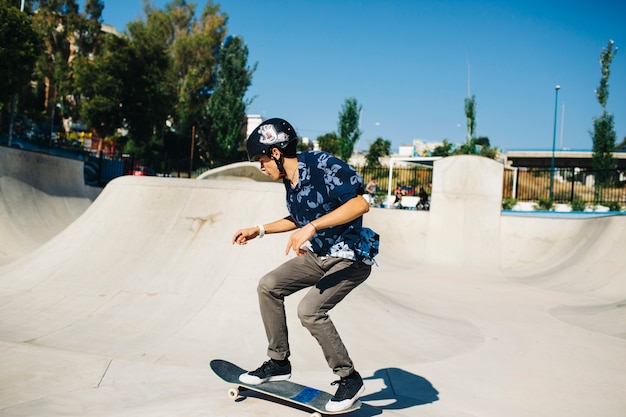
(269, 167)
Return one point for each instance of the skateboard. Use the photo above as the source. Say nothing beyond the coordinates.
(307, 397)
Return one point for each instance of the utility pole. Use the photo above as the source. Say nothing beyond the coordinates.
(556, 107)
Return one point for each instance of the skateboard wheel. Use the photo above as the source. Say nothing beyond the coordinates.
(233, 393)
(316, 414)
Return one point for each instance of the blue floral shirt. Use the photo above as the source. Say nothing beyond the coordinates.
(325, 183)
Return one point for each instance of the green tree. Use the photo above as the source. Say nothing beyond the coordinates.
(102, 84)
(379, 148)
(226, 108)
(603, 134)
(477, 146)
(88, 39)
(194, 45)
(470, 115)
(54, 26)
(67, 35)
(472, 145)
(469, 147)
(169, 60)
(304, 147)
(149, 92)
(90, 36)
(20, 46)
(443, 150)
(486, 149)
(349, 132)
(329, 143)
(466, 148)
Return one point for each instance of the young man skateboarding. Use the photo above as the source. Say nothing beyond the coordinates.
(325, 203)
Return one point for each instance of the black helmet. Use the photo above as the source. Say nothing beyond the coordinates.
(272, 133)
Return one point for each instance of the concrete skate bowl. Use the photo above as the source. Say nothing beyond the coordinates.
(572, 255)
(120, 313)
(40, 195)
(148, 275)
(165, 257)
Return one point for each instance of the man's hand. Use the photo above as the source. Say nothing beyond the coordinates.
(299, 238)
(242, 236)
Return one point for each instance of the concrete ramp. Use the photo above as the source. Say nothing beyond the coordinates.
(39, 196)
(464, 230)
(121, 312)
(239, 171)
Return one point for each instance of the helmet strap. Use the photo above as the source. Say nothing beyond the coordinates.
(279, 165)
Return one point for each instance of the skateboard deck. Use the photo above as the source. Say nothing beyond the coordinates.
(308, 397)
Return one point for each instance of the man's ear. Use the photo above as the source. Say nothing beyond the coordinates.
(276, 153)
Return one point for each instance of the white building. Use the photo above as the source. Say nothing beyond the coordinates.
(252, 121)
(405, 150)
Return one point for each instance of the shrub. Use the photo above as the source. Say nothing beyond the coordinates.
(544, 204)
(613, 205)
(578, 205)
(509, 203)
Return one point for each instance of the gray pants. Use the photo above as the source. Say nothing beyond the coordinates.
(330, 279)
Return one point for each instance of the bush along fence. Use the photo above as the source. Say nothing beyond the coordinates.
(580, 188)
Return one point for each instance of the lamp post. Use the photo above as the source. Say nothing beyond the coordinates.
(556, 101)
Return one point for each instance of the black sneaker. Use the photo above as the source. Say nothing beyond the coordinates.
(269, 371)
(349, 390)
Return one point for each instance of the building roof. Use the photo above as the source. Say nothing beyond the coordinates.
(562, 159)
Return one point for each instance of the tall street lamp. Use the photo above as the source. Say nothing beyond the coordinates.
(556, 101)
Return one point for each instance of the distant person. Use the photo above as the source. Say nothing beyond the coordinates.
(372, 188)
(398, 193)
(423, 195)
(423, 203)
(326, 207)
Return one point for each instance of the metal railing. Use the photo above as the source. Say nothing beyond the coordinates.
(410, 178)
(522, 184)
(570, 184)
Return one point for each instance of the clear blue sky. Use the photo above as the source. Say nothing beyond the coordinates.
(407, 62)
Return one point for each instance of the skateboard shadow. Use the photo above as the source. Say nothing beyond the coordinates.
(399, 390)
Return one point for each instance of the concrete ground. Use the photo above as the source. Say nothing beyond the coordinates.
(116, 307)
